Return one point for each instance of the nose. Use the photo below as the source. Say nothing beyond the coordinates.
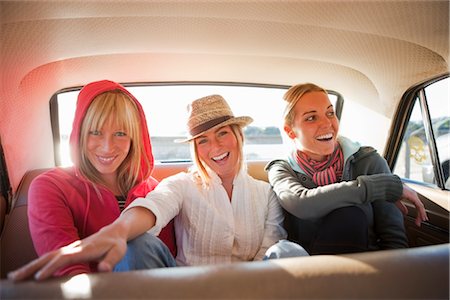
(215, 142)
(106, 143)
(325, 122)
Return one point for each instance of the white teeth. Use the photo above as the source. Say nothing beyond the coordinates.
(105, 159)
(220, 156)
(325, 136)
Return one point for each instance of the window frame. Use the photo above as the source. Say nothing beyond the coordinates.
(400, 123)
(54, 115)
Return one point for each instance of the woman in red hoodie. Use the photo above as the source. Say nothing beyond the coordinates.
(112, 156)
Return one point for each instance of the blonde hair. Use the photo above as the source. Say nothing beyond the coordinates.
(119, 106)
(294, 94)
(199, 168)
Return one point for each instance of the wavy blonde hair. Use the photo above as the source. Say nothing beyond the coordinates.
(118, 105)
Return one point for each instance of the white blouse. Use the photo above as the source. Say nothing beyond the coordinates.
(209, 228)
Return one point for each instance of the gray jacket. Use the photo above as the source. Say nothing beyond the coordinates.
(367, 182)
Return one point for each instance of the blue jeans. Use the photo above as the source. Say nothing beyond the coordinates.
(145, 252)
(283, 249)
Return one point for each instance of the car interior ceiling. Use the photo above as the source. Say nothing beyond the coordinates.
(377, 53)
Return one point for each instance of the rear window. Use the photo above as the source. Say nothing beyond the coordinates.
(165, 109)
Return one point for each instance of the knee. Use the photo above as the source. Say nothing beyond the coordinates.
(144, 241)
(284, 249)
(348, 214)
(146, 252)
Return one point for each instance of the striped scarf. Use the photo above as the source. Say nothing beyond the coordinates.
(322, 172)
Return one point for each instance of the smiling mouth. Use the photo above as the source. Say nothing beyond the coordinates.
(106, 160)
(325, 137)
(220, 157)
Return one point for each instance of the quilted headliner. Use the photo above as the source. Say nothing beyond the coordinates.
(370, 51)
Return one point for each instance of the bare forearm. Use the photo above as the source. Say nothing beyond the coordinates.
(135, 221)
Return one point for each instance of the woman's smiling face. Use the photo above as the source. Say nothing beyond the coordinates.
(315, 126)
(107, 148)
(219, 149)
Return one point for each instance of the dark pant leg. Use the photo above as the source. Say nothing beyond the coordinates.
(344, 230)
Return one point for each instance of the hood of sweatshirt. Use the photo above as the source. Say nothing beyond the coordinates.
(85, 98)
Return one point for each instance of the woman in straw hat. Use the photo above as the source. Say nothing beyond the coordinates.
(221, 213)
(339, 197)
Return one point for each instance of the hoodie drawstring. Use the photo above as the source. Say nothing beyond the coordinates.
(88, 206)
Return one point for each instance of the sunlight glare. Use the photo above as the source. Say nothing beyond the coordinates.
(72, 248)
(312, 266)
(77, 287)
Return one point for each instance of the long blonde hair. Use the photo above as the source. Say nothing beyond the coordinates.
(119, 106)
(199, 168)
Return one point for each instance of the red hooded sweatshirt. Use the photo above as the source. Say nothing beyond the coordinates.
(63, 206)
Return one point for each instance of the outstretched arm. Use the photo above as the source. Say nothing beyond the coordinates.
(107, 246)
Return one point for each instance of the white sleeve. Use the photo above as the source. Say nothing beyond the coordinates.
(273, 227)
(165, 201)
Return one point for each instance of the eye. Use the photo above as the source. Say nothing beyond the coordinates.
(94, 132)
(222, 132)
(120, 133)
(330, 113)
(201, 141)
(310, 118)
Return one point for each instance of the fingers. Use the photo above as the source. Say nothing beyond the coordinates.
(402, 207)
(112, 257)
(31, 268)
(411, 196)
(103, 246)
(109, 252)
(45, 266)
(104, 266)
(421, 213)
(62, 257)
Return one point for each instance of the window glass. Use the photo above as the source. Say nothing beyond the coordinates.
(165, 109)
(437, 95)
(414, 160)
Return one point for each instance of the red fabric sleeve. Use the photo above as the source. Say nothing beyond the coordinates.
(51, 221)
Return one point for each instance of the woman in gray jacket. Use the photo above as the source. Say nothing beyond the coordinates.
(338, 197)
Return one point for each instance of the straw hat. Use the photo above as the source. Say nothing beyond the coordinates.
(210, 112)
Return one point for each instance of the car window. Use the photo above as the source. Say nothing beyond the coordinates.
(165, 109)
(418, 160)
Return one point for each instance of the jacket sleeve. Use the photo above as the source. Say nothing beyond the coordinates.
(51, 222)
(315, 202)
(273, 227)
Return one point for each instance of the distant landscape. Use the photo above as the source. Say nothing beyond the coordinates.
(164, 147)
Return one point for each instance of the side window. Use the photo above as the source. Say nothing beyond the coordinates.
(425, 152)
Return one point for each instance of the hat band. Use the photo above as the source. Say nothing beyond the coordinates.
(207, 125)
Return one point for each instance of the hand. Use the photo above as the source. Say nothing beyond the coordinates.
(411, 196)
(107, 246)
